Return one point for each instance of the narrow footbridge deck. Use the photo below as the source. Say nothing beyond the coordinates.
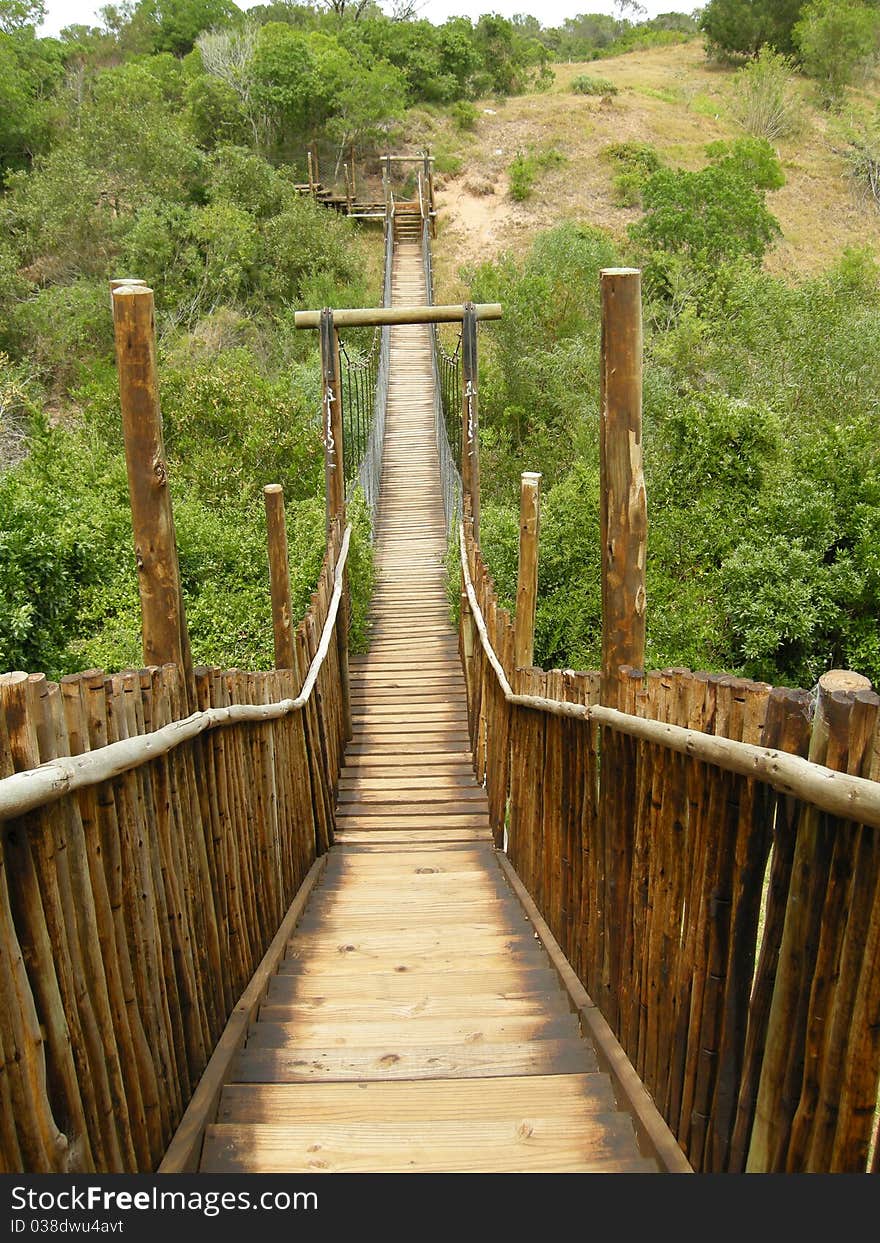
(416, 1022)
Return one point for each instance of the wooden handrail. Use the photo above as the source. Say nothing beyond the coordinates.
(840, 794)
(366, 317)
(36, 787)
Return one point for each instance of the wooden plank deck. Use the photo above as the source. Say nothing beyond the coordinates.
(415, 1022)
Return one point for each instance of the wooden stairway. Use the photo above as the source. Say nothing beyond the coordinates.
(416, 1022)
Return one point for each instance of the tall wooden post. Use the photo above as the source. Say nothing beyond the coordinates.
(343, 626)
(527, 580)
(623, 503)
(470, 415)
(279, 576)
(429, 181)
(311, 173)
(332, 419)
(348, 194)
(163, 619)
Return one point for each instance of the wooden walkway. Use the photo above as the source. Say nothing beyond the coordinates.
(416, 1022)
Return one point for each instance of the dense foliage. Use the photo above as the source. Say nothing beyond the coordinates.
(834, 41)
(119, 176)
(761, 454)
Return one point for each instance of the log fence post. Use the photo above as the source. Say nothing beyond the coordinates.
(527, 577)
(163, 618)
(279, 576)
(624, 519)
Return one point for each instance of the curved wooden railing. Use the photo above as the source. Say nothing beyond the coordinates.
(709, 860)
(142, 879)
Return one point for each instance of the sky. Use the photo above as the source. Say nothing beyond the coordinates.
(62, 13)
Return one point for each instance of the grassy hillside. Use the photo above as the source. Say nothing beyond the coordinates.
(670, 97)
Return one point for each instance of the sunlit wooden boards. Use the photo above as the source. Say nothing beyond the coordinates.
(415, 1022)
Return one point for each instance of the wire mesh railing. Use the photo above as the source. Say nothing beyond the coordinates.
(449, 367)
(447, 386)
(358, 373)
(369, 466)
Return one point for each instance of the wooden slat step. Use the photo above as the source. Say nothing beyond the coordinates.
(480, 1006)
(295, 1034)
(410, 987)
(544, 1057)
(417, 780)
(500, 1099)
(409, 796)
(407, 837)
(589, 1143)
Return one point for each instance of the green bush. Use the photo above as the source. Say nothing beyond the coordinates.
(763, 100)
(837, 40)
(709, 217)
(633, 156)
(522, 172)
(524, 169)
(464, 114)
(751, 158)
(447, 162)
(583, 84)
(636, 161)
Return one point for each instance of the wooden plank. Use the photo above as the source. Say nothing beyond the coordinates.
(384, 1062)
(285, 989)
(419, 1030)
(500, 1099)
(539, 1005)
(590, 1143)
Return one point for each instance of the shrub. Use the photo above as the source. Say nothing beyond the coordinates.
(524, 169)
(464, 114)
(763, 101)
(636, 162)
(522, 172)
(635, 156)
(447, 162)
(863, 163)
(583, 84)
(836, 38)
(709, 217)
(752, 158)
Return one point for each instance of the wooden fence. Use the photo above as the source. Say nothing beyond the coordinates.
(134, 911)
(729, 932)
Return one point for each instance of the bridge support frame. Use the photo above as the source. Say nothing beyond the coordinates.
(470, 414)
(331, 405)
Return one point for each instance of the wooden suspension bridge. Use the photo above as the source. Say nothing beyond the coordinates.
(432, 909)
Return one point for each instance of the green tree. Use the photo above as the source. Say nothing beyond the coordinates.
(836, 39)
(176, 24)
(737, 29)
(30, 72)
(17, 14)
(714, 216)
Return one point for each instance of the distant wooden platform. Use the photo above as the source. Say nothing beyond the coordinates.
(415, 1021)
